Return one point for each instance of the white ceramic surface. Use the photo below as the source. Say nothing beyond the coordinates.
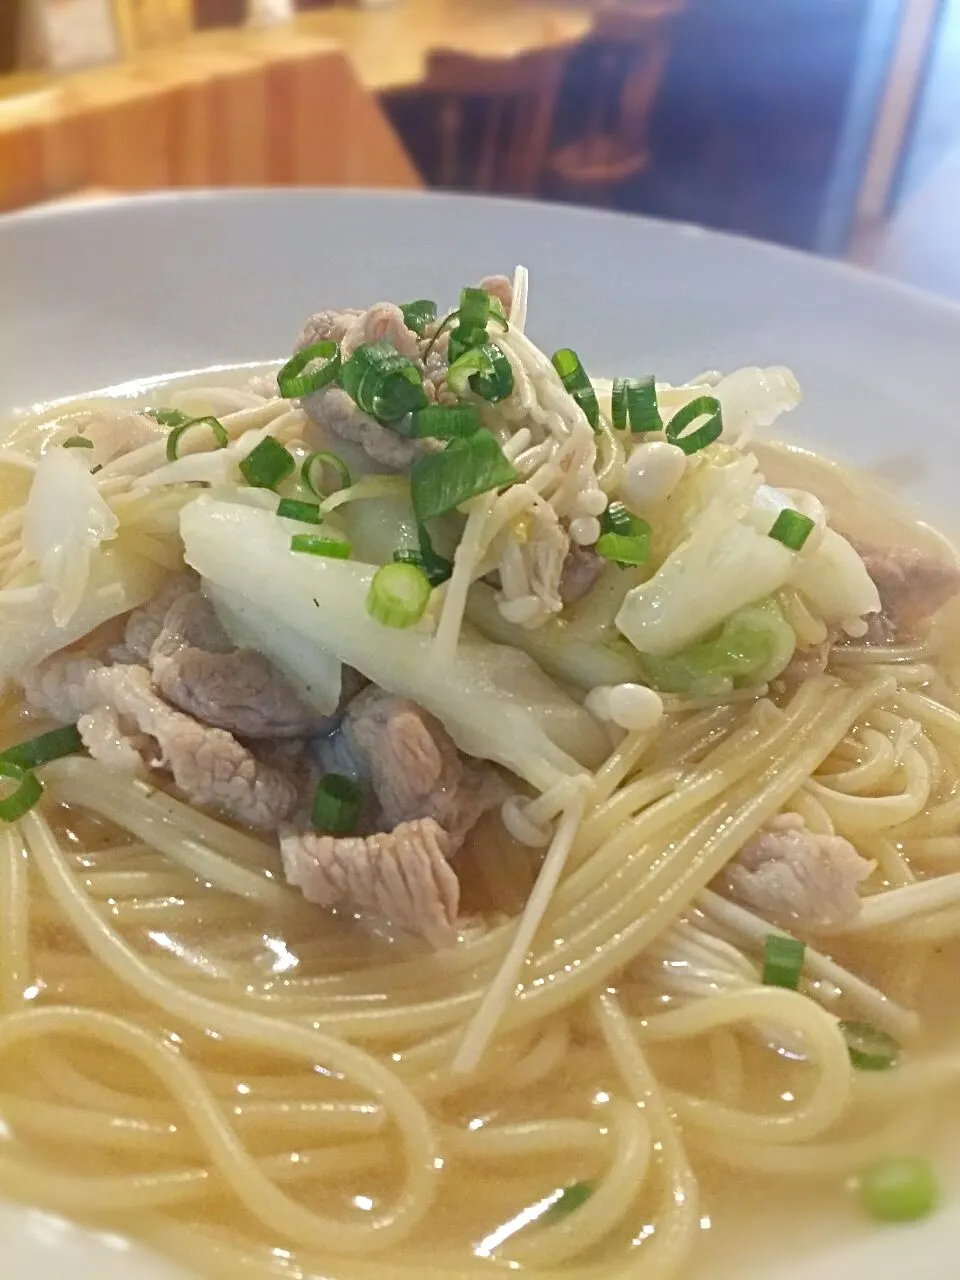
(95, 295)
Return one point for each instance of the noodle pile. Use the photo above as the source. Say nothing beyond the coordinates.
(188, 1055)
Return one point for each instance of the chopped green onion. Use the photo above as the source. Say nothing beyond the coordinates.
(437, 568)
(28, 791)
(267, 464)
(617, 519)
(703, 407)
(782, 961)
(314, 544)
(570, 1198)
(870, 1048)
(221, 439)
(77, 442)
(47, 746)
(417, 315)
(307, 512)
(440, 482)
(623, 550)
(321, 460)
(901, 1189)
(445, 421)
(399, 594)
(465, 338)
(309, 370)
(484, 370)
(474, 307)
(575, 381)
(634, 400)
(792, 528)
(168, 417)
(337, 802)
(385, 384)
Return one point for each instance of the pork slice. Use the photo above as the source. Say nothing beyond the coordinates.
(119, 716)
(198, 668)
(144, 625)
(581, 569)
(789, 874)
(403, 876)
(334, 410)
(326, 326)
(414, 767)
(501, 288)
(382, 322)
(913, 586)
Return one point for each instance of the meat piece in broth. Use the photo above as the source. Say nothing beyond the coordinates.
(125, 723)
(791, 875)
(581, 569)
(332, 409)
(913, 586)
(326, 326)
(501, 288)
(145, 624)
(403, 875)
(198, 669)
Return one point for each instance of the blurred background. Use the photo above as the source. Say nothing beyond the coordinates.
(828, 125)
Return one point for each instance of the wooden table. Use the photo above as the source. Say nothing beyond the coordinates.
(283, 107)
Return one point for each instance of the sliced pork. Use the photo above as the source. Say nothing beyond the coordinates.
(125, 723)
(581, 569)
(332, 409)
(791, 875)
(913, 586)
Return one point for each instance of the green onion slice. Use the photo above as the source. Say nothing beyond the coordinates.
(220, 437)
(385, 384)
(77, 442)
(633, 401)
(314, 544)
(312, 473)
(901, 1189)
(309, 370)
(617, 519)
(623, 550)
(465, 338)
(703, 407)
(437, 568)
(168, 417)
(440, 482)
(306, 512)
(417, 315)
(445, 421)
(399, 594)
(570, 1198)
(474, 307)
(337, 802)
(782, 961)
(792, 528)
(870, 1048)
(28, 791)
(267, 464)
(575, 381)
(47, 746)
(484, 370)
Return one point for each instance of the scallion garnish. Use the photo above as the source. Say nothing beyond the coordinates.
(220, 437)
(168, 417)
(267, 464)
(474, 307)
(617, 519)
(792, 528)
(901, 1189)
(437, 568)
(633, 401)
(399, 594)
(440, 482)
(28, 791)
(385, 384)
(77, 442)
(570, 1198)
(445, 421)
(870, 1048)
(337, 802)
(484, 370)
(310, 369)
(45, 747)
(465, 338)
(782, 961)
(624, 551)
(306, 512)
(314, 544)
(703, 407)
(417, 315)
(312, 473)
(575, 381)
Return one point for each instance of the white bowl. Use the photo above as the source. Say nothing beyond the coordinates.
(96, 295)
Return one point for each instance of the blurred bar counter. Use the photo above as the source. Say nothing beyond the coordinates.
(224, 108)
